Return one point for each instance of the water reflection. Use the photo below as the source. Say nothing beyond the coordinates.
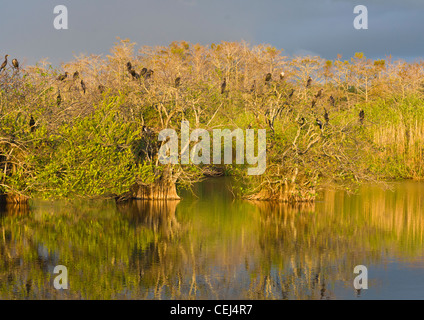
(213, 247)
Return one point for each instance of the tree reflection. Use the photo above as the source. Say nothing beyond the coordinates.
(205, 248)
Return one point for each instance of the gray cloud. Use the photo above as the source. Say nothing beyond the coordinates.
(301, 26)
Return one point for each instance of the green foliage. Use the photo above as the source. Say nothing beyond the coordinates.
(93, 155)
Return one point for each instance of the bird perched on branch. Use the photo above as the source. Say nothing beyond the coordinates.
(76, 75)
(253, 88)
(177, 82)
(319, 94)
(62, 76)
(101, 88)
(129, 66)
(319, 123)
(15, 64)
(4, 64)
(361, 116)
(148, 74)
(326, 116)
(291, 93)
(309, 82)
(32, 124)
(134, 74)
(83, 86)
(268, 77)
(58, 99)
(282, 74)
(332, 101)
(223, 86)
(143, 72)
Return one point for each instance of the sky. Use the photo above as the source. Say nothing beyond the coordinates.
(300, 27)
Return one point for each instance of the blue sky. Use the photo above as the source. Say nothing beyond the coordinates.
(319, 27)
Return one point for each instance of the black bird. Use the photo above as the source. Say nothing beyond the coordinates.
(129, 66)
(319, 123)
(62, 76)
(76, 75)
(4, 64)
(177, 82)
(134, 74)
(332, 101)
(291, 93)
(15, 63)
(309, 82)
(319, 94)
(313, 103)
(326, 117)
(59, 99)
(83, 86)
(101, 88)
(301, 121)
(148, 74)
(361, 116)
(253, 88)
(268, 77)
(143, 72)
(223, 86)
(32, 124)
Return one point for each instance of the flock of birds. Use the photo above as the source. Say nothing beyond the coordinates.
(15, 63)
(148, 73)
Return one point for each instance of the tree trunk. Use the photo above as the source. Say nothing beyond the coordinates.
(163, 188)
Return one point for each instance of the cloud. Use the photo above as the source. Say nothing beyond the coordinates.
(324, 27)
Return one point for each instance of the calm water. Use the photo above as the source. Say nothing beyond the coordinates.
(213, 247)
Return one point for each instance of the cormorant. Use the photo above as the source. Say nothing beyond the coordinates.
(62, 76)
(319, 94)
(129, 66)
(308, 83)
(76, 75)
(253, 88)
(101, 88)
(4, 64)
(319, 123)
(15, 63)
(59, 99)
(301, 121)
(332, 101)
(32, 124)
(149, 74)
(177, 82)
(326, 117)
(223, 86)
(361, 116)
(143, 72)
(313, 103)
(291, 93)
(268, 77)
(83, 86)
(134, 74)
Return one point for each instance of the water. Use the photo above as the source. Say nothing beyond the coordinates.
(214, 247)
